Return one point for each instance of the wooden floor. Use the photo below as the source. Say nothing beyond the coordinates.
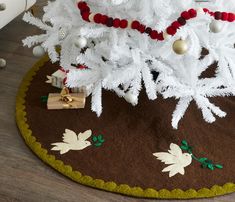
(23, 177)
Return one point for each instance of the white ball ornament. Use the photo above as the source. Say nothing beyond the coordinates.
(180, 47)
(38, 51)
(3, 63)
(80, 42)
(131, 98)
(216, 26)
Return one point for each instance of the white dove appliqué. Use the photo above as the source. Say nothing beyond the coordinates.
(72, 141)
(176, 159)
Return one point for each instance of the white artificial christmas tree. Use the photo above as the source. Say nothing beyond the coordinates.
(138, 38)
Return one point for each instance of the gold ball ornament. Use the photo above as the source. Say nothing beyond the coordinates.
(180, 47)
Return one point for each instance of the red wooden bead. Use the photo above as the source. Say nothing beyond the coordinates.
(104, 19)
(109, 22)
(231, 17)
(160, 36)
(79, 5)
(154, 34)
(141, 29)
(176, 25)
(218, 15)
(97, 18)
(116, 22)
(192, 13)
(171, 30)
(85, 10)
(82, 5)
(123, 24)
(181, 20)
(224, 16)
(135, 24)
(185, 15)
(148, 30)
(212, 13)
(205, 10)
(85, 16)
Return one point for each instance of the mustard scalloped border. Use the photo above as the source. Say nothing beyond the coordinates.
(68, 171)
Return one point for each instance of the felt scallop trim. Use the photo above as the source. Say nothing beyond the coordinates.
(68, 171)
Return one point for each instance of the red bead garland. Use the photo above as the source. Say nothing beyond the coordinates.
(148, 30)
(109, 22)
(185, 15)
(231, 17)
(181, 21)
(141, 29)
(224, 16)
(171, 30)
(85, 16)
(218, 15)
(176, 25)
(136, 25)
(154, 34)
(97, 18)
(116, 23)
(192, 13)
(104, 19)
(123, 24)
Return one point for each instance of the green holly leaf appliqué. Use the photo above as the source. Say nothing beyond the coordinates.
(218, 166)
(186, 147)
(98, 140)
(44, 99)
(205, 162)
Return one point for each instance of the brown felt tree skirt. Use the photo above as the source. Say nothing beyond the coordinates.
(132, 135)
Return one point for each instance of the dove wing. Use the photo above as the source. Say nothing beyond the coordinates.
(69, 136)
(174, 169)
(175, 150)
(165, 157)
(85, 135)
(60, 146)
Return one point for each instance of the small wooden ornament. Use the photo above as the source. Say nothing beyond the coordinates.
(65, 100)
(57, 79)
